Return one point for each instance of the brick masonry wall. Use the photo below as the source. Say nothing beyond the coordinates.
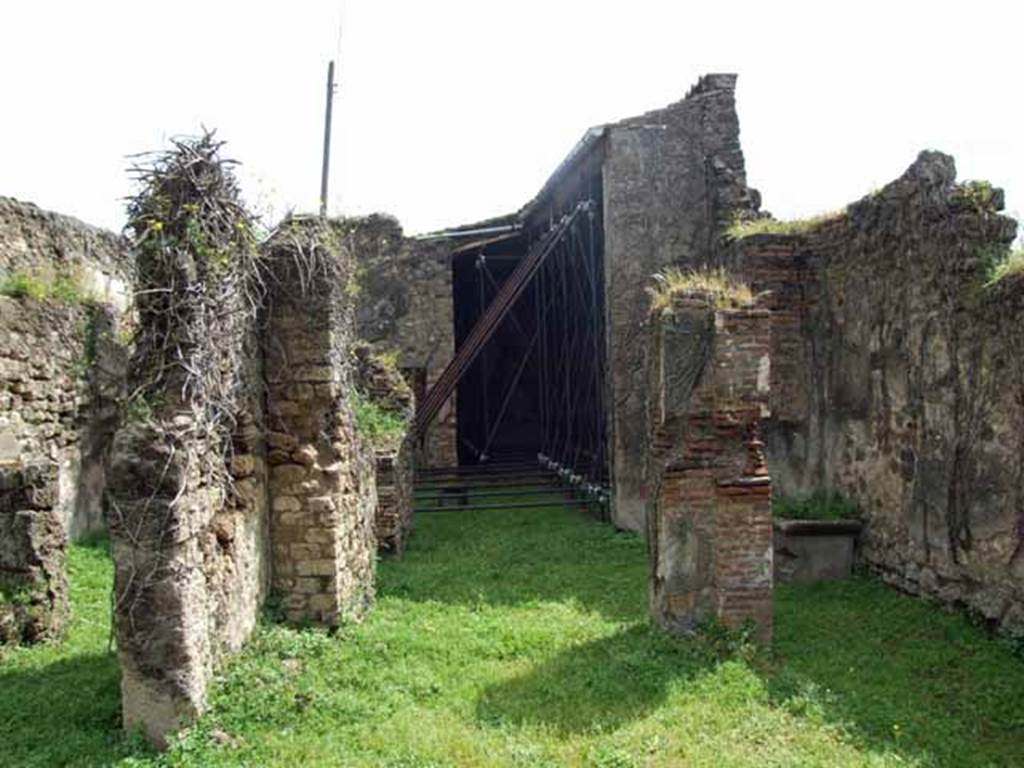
(899, 382)
(33, 550)
(709, 510)
(322, 489)
(673, 181)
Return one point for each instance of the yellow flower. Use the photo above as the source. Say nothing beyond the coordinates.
(157, 226)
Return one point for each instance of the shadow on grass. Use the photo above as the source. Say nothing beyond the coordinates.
(899, 675)
(66, 712)
(597, 686)
(520, 556)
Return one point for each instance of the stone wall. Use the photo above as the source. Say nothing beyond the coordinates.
(673, 179)
(389, 394)
(237, 471)
(405, 306)
(59, 376)
(188, 489)
(322, 492)
(33, 549)
(34, 241)
(60, 360)
(898, 379)
(708, 515)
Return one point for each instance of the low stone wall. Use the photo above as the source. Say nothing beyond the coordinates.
(709, 526)
(33, 549)
(898, 380)
(404, 305)
(322, 492)
(387, 392)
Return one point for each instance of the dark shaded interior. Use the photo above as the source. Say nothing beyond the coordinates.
(538, 385)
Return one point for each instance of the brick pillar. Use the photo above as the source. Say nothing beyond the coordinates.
(322, 493)
(709, 505)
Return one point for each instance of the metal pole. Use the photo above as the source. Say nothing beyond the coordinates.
(327, 140)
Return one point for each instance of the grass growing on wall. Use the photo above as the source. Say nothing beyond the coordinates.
(821, 505)
(63, 287)
(520, 638)
(747, 227)
(1009, 263)
(725, 290)
(378, 424)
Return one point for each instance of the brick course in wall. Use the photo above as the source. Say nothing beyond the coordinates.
(709, 506)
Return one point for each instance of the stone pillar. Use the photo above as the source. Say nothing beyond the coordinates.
(322, 492)
(709, 511)
(33, 551)
(187, 479)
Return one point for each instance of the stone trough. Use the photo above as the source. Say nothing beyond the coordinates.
(807, 551)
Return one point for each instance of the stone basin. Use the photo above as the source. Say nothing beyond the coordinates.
(807, 551)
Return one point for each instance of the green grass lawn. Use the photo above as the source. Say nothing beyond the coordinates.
(521, 639)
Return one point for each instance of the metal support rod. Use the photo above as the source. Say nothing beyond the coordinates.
(325, 171)
(510, 505)
(453, 495)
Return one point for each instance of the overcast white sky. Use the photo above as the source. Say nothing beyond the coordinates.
(454, 110)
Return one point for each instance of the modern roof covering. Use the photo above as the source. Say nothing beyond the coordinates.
(510, 223)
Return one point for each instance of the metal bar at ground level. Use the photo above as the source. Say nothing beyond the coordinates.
(550, 491)
(514, 483)
(514, 505)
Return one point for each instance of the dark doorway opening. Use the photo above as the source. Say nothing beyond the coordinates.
(537, 387)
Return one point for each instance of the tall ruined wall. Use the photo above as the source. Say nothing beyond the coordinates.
(60, 361)
(322, 491)
(60, 370)
(237, 471)
(673, 181)
(405, 305)
(709, 529)
(188, 511)
(898, 379)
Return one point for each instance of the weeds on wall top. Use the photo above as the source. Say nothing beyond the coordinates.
(195, 254)
(741, 228)
(820, 505)
(379, 425)
(982, 196)
(64, 287)
(725, 291)
(1000, 263)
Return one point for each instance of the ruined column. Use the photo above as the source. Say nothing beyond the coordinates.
(322, 490)
(709, 509)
